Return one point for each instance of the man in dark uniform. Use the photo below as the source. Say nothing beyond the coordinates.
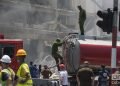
(55, 53)
(82, 18)
(85, 75)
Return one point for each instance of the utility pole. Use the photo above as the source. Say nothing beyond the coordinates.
(114, 39)
(114, 36)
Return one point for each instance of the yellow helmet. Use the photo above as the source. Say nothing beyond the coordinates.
(21, 52)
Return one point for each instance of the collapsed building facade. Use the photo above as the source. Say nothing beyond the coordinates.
(40, 22)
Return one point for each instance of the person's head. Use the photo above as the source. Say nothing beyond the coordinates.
(45, 67)
(108, 10)
(86, 63)
(79, 7)
(58, 40)
(5, 61)
(35, 65)
(21, 55)
(31, 63)
(102, 67)
(62, 67)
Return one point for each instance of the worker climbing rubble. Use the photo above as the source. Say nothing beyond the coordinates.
(55, 52)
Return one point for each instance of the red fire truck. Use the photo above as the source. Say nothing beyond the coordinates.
(10, 47)
(96, 51)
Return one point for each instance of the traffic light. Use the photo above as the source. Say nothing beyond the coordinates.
(107, 19)
(110, 20)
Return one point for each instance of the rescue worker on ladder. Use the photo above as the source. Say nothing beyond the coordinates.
(23, 73)
(55, 53)
(7, 75)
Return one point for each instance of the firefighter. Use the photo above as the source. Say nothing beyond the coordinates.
(55, 53)
(23, 73)
(7, 75)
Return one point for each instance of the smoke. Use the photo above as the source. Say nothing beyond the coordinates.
(38, 23)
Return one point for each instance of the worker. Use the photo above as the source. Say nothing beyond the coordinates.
(39, 68)
(46, 72)
(58, 58)
(85, 75)
(103, 77)
(82, 18)
(31, 67)
(7, 75)
(23, 73)
(63, 75)
(34, 70)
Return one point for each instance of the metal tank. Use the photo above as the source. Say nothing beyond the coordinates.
(95, 51)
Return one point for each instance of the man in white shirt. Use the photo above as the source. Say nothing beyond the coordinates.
(63, 75)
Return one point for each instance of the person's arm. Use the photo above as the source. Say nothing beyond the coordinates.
(92, 80)
(77, 78)
(26, 73)
(96, 80)
(85, 14)
(60, 44)
(50, 73)
(23, 80)
(92, 77)
(6, 77)
(61, 79)
(8, 83)
(78, 81)
(42, 72)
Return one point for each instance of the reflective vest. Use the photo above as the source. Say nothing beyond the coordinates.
(21, 73)
(11, 74)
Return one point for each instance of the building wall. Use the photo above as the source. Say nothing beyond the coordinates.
(38, 21)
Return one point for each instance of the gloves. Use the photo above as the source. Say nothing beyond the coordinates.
(22, 81)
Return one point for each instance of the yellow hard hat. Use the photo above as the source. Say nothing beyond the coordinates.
(21, 52)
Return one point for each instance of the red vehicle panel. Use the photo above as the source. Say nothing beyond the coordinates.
(1, 36)
(97, 52)
(10, 47)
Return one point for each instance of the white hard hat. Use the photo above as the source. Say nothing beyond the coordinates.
(5, 59)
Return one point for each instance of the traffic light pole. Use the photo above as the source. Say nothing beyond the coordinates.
(114, 39)
(114, 36)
